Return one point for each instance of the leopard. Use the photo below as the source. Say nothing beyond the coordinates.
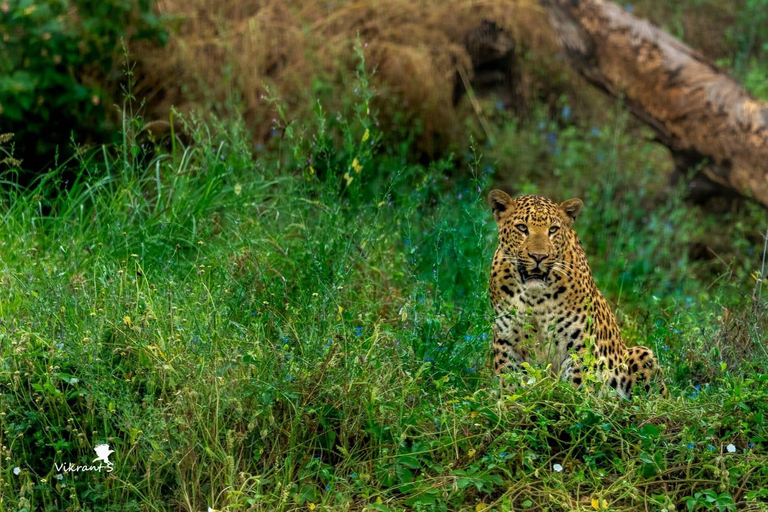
(548, 310)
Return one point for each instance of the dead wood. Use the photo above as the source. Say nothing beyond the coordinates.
(708, 121)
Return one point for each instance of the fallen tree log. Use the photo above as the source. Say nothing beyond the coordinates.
(706, 119)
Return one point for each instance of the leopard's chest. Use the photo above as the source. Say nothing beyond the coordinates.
(540, 317)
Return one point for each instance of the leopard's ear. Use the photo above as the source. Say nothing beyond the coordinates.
(501, 203)
(572, 208)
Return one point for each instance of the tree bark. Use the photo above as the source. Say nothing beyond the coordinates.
(704, 117)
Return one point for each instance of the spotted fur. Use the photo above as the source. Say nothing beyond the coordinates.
(548, 308)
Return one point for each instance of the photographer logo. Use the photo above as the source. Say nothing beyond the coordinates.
(102, 457)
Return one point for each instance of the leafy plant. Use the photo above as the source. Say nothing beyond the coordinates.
(59, 68)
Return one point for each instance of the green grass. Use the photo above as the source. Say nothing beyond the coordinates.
(258, 332)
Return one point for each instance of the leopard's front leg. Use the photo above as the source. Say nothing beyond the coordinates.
(509, 351)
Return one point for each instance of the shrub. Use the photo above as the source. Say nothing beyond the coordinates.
(59, 68)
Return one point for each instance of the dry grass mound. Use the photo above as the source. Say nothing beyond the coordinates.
(223, 55)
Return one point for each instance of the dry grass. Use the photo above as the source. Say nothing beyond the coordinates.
(226, 53)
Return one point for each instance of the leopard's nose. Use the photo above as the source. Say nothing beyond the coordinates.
(539, 257)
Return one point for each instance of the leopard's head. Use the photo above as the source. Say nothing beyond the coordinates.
(535, 233)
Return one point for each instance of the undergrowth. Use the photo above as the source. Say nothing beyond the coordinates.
(308, 330)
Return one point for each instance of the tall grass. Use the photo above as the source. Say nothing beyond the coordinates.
(307, 329)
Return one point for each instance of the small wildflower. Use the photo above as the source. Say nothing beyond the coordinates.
(751, 445)
(16, 470)
(471, 452)
(731, 448)
(473, 414)
(429, 359)
(238, 189)
(348, 178)
(366, 135)
(356, 166)
(502, 455)
(711, 448)
(558, 468)
(127, 321)
(689, 445)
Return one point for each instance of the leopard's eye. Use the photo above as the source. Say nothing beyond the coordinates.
(553, 230)
(522, 227)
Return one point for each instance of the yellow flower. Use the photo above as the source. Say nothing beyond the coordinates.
(473, 414)
(311, 506)
(366, 135)
(127, 321)
(311, 170)
(238, 189)
(348, 178)
(471, 452)
(597, 505)
(480, 506)
(356, 166)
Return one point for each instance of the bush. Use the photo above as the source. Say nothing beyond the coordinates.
(59, 68)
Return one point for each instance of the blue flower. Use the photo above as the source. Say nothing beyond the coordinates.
(358, 331)
(595, 132)
(502, 455)
(428, 359)
(470, 370)
(751, 445)
(552, 138)
(566, 112)
(327, 487)
(689, 445)
(467, 337)
(665, 348)
(710, 448)
(697, 387)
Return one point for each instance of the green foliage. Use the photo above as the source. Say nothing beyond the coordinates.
(269, 334)
(58, 61)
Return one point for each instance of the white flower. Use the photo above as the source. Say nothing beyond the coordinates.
(731, 448)
(532, 380)
(557, 467)
(16, 470)
(59, 477)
